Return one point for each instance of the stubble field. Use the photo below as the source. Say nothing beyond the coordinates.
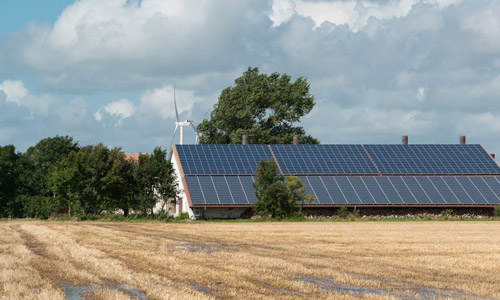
(361, 260)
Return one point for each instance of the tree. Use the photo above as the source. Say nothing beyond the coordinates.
(64, 179)
(156, 179)
(265, 107)
(8, 181)
(122, 187)
(277, 196)
(37, 161)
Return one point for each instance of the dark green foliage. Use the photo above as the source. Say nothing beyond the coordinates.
(277, 196)
(342, 212)
(183, 216)
(447, 213)
(8, 181)
(37, 161)
(496, 211)
(265, 107)
(156, 180)
(57, 177)
(39, 206)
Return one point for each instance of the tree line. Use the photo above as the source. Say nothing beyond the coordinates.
(58, 176)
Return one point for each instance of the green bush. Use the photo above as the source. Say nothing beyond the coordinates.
(496, 211)
(40, 207)
(342, 212)
(183, 216)
(447, 213)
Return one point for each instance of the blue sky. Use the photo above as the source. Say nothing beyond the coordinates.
(104, 71)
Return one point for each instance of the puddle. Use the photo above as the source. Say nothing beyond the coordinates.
(290, 292)
(199, 288)
(78, 292)
(203, 247)
(406, 293)
(35, 248)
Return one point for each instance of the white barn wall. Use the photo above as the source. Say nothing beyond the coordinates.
(182, 194)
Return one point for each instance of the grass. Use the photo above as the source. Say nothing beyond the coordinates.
(251, 260)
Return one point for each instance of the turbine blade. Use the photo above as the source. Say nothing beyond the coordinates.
(175, 104)
(195, 131)
(172, 142)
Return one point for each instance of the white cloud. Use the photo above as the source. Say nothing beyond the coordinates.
(119, 110)
(282, 11)
(160, 103)
(17, 93)
(355, 14)
(14, 90)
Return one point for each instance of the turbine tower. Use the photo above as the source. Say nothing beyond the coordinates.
(181, 125)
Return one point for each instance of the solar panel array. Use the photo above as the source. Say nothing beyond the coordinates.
(346, 174)
(403, 190)
(222, 159)
(432, 159)
(221, 190)
(357, 190)
(323, 159)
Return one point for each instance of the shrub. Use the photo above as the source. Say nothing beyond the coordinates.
(40, 207)
(496, 211)
(342, 212)
(276, 195)
(183, 216)
(446, 213)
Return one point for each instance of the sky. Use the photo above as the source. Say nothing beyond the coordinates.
(105, 71)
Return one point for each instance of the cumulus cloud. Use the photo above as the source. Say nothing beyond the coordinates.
(378, 69)
(122, 44)
(159, 103)
(17, 93)
(14, 91)
(118, 110)
(355, 14)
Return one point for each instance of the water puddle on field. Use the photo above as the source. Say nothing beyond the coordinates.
(283, 290)
(199, 288)
(36, 248)
(405, 293)
(84, 292)
(209, 249)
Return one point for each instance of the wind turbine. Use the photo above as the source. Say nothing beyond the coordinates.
(181, 125)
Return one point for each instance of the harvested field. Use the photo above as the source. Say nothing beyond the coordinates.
(361, 260)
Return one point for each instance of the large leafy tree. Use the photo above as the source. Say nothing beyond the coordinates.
(155, 177)
(265, 107)
(277, 196)
(37, 161)
(8, 180)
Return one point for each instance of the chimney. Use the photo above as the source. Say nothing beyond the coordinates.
(492, 155)
(245, 139)
(296, 140)
(462, 140)
(404, 140)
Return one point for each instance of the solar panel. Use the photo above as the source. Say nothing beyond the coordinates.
(356, 190)
(222, 159)
(405, 190)
(323, 159)
(432, 159)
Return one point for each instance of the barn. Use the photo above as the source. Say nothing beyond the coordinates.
(216, 180)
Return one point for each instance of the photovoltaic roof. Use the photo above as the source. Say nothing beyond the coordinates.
(357, 190)
(323, 159)
(432, 159)
(222, 159)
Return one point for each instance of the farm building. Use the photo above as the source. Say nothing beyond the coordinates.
(216, 180)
